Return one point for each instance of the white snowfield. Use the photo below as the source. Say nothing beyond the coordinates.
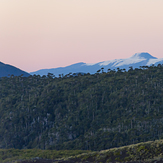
(154, 61)
(136, 58)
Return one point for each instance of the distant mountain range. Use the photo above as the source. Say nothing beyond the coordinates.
(7, 70)
(137, 60)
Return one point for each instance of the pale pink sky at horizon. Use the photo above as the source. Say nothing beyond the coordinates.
(39, 34)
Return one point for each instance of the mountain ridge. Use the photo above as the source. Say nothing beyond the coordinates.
(7, 70)
(137, 60)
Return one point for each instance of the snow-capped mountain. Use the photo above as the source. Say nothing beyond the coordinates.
(137, 60)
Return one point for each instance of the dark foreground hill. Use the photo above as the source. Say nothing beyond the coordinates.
(88, 112)
(147, 152)
(8, 70)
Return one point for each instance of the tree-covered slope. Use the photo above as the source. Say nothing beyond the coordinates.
(89, 112)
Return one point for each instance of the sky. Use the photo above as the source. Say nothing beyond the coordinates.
(40, 34)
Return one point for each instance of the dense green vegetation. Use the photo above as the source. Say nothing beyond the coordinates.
(11, 155)
(88, 112)
(143, 152)
(151, 151)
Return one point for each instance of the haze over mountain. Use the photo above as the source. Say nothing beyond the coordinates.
(7, 70)
(137, 60)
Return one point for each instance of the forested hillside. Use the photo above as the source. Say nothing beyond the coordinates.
(89, 112)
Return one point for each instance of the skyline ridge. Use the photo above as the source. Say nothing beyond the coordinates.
(51, 34)
(136, 60)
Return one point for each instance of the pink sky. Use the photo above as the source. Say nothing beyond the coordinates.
(37, 34)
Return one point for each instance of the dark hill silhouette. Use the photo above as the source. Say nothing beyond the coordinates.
(7, 70)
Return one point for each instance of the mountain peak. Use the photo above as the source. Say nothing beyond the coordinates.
(144, 55)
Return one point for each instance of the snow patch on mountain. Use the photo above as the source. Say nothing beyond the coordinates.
(154, 61)
(105, 63)
(131, 60)
(138, 57)
(128, 62)
(89, 64)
